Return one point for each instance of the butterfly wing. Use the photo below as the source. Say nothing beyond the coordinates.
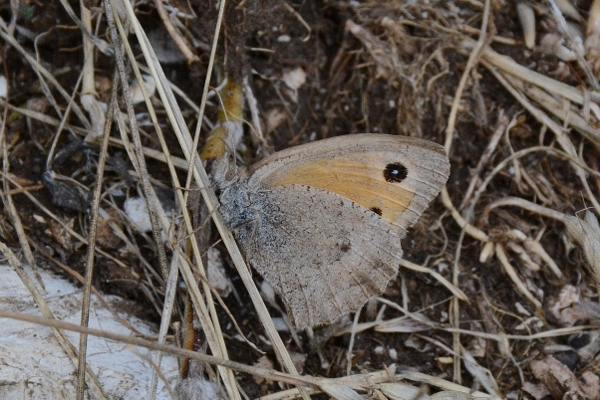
(395, 176)
(324, 263)
(322, 222)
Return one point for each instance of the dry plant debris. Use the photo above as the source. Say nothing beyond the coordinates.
(105, 105)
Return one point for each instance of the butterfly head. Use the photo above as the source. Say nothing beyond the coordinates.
(226, 172)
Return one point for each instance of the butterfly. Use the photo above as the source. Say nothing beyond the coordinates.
(323, 222)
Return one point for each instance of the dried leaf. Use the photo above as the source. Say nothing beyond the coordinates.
(591, 385)
(557, 378)
(587, 233)
(66, 195)
(339, 391)
(402, 391)
(450, 395)
(527, 19)
(216, 274)
(263, 362)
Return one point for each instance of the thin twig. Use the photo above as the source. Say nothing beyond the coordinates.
(91, 250)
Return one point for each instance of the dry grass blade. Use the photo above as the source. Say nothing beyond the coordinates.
(202, 182)
(443, 384)
(575, 43)
(481, 374)
(455, 290)
(43, 75)
(7, 199)
(266, 373)
(213, 335)
(558, 109)
(91, 250)
(68, 229)
(527, 19)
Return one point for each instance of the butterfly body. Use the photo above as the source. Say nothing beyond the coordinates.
(322, 222)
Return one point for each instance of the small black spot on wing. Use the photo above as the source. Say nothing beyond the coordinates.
(395, 172)
(376, 210)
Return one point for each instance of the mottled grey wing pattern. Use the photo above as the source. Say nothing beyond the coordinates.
(322, 253)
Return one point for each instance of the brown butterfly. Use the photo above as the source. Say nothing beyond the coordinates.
(322, 222)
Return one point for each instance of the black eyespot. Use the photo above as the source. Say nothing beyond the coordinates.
(395, 172)
(376, 210)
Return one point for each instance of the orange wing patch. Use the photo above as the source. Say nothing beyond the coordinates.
(360, 179)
